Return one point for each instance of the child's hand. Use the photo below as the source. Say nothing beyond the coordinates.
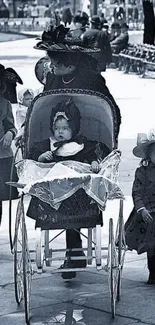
(146, 216)
(95, 166)
(46, 156)
(7, 139)
(18, 141)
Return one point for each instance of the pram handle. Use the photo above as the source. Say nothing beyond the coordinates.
(15, 184)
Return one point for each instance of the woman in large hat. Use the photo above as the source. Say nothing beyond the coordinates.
(140, 227)
(71, 65)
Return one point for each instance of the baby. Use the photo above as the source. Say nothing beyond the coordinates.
(64, 143)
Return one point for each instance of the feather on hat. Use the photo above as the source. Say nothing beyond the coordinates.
(57, 39)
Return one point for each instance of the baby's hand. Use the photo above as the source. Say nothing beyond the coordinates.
(95, 166)
(7, 139)
(46, 156)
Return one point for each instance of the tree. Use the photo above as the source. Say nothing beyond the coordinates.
(149, 22)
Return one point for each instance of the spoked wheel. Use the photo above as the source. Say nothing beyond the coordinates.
(22, 262)
(121, 247)
(27, 272)
(113, 268)
(18, 257)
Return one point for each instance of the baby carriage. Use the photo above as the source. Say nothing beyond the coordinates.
(54, 184)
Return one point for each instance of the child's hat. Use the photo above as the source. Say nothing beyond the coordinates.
(70, 111)
(143, 142)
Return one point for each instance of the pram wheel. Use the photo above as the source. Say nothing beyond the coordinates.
(113, 268)
(27, 272)
(22, 262)
(18, 257)
(121, 247)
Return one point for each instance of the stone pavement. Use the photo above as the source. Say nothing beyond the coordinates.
(85, 300)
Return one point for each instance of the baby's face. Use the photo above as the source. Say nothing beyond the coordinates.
(27, 100)
(62, 130)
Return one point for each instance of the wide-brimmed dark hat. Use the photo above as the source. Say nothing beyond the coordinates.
(143, 143)
(57, 39)
(95, 20)
(10, 74)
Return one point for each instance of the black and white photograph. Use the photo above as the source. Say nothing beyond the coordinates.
(77, 162)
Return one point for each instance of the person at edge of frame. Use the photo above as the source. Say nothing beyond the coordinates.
(7, 134)
(140, 226)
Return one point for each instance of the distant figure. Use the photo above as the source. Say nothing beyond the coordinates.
(119, 13)
(96, 37)
(86, 7)
(47, 13)
(57, 17)
(101, 12)
(80, 22)
(4, 11)
(115, 31)
(20, 12)
(34, 11)
(67, 14)
(121, 42)
(105, 27)
(27, 11)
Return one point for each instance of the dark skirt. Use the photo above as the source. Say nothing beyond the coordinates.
(140, 235)
(74, 212)
(5, 170)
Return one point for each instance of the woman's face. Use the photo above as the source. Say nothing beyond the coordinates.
(59, 68)
(152, 154)
(27, 99)
(62, 130)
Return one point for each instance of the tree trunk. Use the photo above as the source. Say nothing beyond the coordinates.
(149, 22)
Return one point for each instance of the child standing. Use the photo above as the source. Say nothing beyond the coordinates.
(25, 97)
(140, 227)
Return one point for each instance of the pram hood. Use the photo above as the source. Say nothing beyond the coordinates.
(98, 117)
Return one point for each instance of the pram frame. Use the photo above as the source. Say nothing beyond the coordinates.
(44, 254)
